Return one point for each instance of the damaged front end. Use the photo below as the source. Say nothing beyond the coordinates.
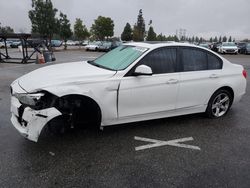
(30, 112)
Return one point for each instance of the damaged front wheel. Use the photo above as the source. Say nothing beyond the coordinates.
(59, 125)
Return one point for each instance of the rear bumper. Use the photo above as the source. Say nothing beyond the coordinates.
(30, 122)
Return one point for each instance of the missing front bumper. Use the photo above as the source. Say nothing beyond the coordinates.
(33, 121)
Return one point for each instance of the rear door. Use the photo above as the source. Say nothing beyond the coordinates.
(199, 77)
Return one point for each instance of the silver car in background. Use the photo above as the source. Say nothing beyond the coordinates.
(228, 48)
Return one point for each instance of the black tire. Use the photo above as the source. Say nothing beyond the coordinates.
(216, 108)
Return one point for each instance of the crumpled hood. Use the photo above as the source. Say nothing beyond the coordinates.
(62, 74)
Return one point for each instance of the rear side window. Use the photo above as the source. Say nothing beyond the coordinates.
(213, 62)
(193, 60)
(162, 60)
(198, 60)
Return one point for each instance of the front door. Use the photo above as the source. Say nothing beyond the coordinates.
(140, 95)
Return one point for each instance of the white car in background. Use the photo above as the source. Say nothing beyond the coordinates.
(71, 43)
(228, 48)
(133, 82)
(93, 46)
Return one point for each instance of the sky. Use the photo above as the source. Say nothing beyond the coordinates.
(203, 18)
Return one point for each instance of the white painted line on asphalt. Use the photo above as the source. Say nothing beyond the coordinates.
(158, 143)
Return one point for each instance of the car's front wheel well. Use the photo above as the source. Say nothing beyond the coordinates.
(81, 110)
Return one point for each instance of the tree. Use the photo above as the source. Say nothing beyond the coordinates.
(139, 28)
(193, 39)
(230, 39)
(42, 17)
(224, 39)
(220, 40)
(211, 39)
(175, 38)
(160, 37)
(80, 30)
(64, 28)
(6, 29)
(196, 39)
(215, 39)
(151, 34)
(201, 40)
(103, 27)
(127, 33)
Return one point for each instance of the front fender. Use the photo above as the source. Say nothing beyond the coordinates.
(104, 95)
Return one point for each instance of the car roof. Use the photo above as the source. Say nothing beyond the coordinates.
(163, 44)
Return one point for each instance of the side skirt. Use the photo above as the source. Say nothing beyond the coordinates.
(158, 115)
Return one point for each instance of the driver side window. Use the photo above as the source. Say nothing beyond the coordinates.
(161, 61)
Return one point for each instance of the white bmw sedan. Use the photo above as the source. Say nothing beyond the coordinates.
(134, 82)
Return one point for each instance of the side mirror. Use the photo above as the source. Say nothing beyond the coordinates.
(143, 70)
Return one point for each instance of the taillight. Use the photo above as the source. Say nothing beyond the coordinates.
(244, 73)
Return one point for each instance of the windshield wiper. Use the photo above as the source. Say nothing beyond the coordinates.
(100, 66)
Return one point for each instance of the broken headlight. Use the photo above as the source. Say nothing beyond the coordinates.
(36, 101)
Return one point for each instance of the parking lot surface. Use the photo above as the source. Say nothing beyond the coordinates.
(114, 157)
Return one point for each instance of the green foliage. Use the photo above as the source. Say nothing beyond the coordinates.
(64, 28)
(103, 27)
(6, 29)
(151, 34)
(161, 37)
(230, 39)
(139, 28)
(80, 30)
(42, 17)
(127, 33)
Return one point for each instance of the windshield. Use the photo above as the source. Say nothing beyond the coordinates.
(228, 44)
(119, 58)
(248, 45)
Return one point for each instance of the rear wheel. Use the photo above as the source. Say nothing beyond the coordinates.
(219, 104)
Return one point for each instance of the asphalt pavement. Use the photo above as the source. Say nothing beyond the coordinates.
(192, 151)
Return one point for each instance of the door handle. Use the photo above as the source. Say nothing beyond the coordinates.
(213, 76)
(172, 81)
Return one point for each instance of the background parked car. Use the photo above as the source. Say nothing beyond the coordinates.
(245, 49)
(215, 46)
(240, 46)
(15, 44)
(93, 46)
(115, 44)
(56, 43)
(71, 43)
(84, 43)
(8, 43)
(228, 48)
(105, 47)
(205, 45)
